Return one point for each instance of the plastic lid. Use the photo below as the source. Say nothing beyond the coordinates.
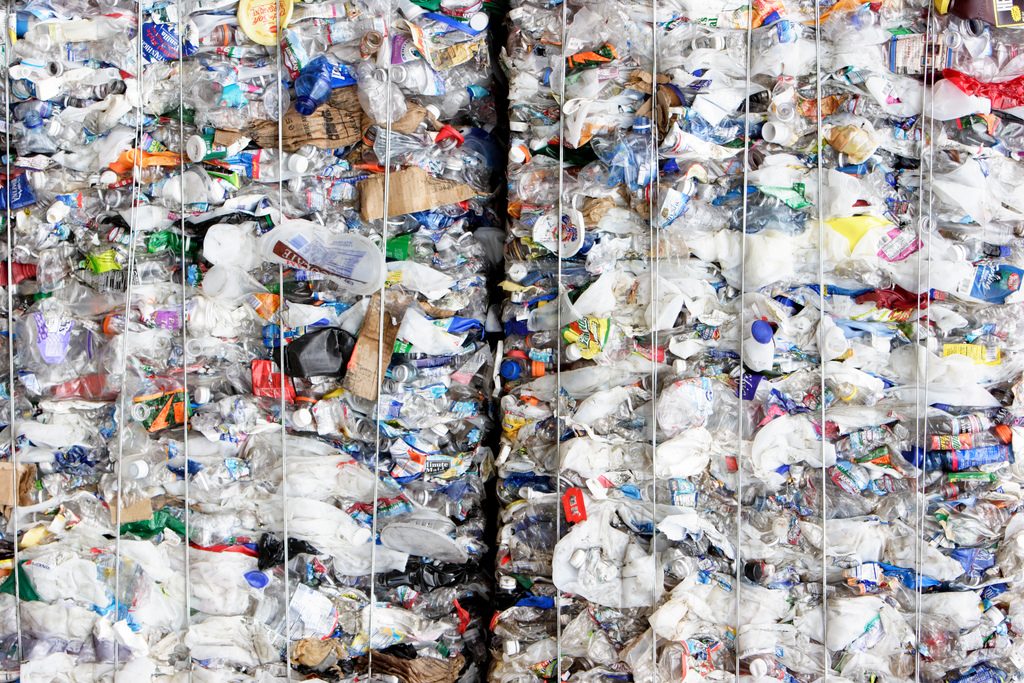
(57, 212)
(479, 21)
(517, 272)
(258, 19)
(942, 6)
(510, 369)
(256, 579)
(1005, 251)
(761, 331)
(298, 163)
(776, 133)
(202, 395)
(302, 417)
(517, 154)
(137, 469)
(196, 149)
(434, 110)
(641, 123)
(573, 353)
(108, 178)
(758, 668)
(399, 74)
(1004, 433)
(518, 126)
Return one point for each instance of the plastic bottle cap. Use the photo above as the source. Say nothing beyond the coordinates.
(57, 212)
(256, 579)
(298, 163)
(258, 19)
(507, 583)
(1004, 433)
(196, 149)
(761, 331)
(302, 417)
(202, 395)
(776, 133)
(138, 469)
(573, 353)
(399, 74)
(517, 154)
(479, 21)
(510, 369)
(942, 6)
(758, 668)
(108, 178)
(518, 126)
(517, 272)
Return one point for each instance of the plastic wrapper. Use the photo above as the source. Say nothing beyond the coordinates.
(246, 421)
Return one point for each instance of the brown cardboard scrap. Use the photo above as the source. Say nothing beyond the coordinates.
(136, 512)
(412, 189)
(26, 481)
(364, 371)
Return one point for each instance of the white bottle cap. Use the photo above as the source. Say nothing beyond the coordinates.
(517, 154)
(479, 21)
(518, 271)
(108, 178)
(202, 395)
(776, 133)
(138, 469)
(196, 149)
(518, 126)
(507, 583)
(434, 110)
(758, 668)
(298, 163)
(57, 212)
(573, 353)
(302, 417)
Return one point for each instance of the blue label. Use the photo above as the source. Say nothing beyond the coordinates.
(160, 43)
(19, 193)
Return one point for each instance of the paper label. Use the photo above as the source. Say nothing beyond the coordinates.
(979, 353)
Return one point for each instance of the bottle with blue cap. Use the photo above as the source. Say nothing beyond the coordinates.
(759, 346)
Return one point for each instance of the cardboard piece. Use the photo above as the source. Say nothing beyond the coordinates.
(362, 377)
(136, 512)
(412, 189)
(336, 123)
(26, 482)
(339, 122)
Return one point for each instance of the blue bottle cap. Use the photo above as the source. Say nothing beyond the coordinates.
(762, 332)
(257, 579)
(510, 369)
(1005, 251)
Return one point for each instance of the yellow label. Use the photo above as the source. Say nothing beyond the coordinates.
(258, 19)
(979, 353)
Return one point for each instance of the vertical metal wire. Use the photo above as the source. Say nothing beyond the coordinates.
(653, 195)
(741, 331)
(389, 102)
(822, 300)
(923, 263)
(184, 319)
(558, 314)
(133, 232)
(11, 431)
(282, 405)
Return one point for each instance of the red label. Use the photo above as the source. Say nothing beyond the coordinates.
(575, 509)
